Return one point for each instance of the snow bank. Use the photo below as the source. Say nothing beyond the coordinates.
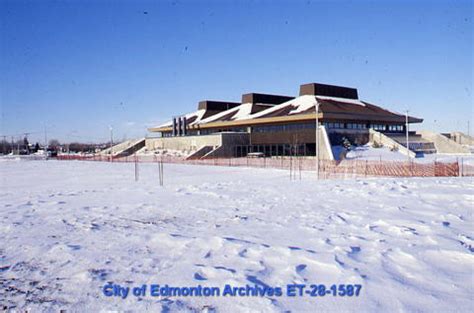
(367, 152)
(73, 226)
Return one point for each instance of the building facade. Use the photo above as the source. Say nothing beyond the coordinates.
(280, 125)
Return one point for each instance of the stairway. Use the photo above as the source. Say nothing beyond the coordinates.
(416, 143)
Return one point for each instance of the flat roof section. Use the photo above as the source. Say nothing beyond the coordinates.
(315, 89)
(264, 98)
(217, 105)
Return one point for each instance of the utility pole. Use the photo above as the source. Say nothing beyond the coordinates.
(316, 104)
(45, 141)
(406, 130)
(111, 142)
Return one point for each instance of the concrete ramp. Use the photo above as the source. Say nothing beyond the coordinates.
(198, 154)
(444, 144)
(125, 148)
(416, 142)
(461, 138)
(131, 148)
(218, 152)
(382, 139)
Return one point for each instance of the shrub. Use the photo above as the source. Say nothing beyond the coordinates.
(377, 145)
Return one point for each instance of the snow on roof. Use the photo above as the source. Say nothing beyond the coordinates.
(244, 112)
(238, 113)
(192, 118)
(341, 100)
(301, 103)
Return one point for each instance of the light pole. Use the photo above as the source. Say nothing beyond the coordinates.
(45, 141)
(111, 143)
(406, 131)
(316, 105)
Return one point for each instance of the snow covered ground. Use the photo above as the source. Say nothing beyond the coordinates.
(67, 228)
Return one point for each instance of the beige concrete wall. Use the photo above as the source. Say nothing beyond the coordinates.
(378, 137)
(225, 142)
(325, 149)
(189, 143)
(462, 138)
(194, 143)
(442, 143)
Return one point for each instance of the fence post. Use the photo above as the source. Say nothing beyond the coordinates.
(459, 168)
(162, 173)
(160, 169)
(136, 168)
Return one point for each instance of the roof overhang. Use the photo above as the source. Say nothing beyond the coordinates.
(295, 118)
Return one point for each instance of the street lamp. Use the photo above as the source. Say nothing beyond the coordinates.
(316, 105)
(45, 141)
(111, 142)
(406, 131)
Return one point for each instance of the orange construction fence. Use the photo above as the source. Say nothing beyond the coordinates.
(327, 168)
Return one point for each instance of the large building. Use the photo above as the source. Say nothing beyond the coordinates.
(282, 125)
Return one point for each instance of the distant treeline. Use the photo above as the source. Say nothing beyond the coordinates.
(22, 146)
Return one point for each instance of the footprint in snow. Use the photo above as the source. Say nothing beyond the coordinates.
(338, 261)
(353, 254)
(294, 248)
(300, 268)
(225, 269)
(198, 276)
(74, 247)
(256, 281)
(99, 274)
(243, 253)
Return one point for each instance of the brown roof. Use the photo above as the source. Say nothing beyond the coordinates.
(302, 109)
(331, 108)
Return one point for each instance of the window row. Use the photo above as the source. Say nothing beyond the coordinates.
(377, 126)
(356, 126)
(395, 128)
(333, 125)
(296, 126)
(284, 127)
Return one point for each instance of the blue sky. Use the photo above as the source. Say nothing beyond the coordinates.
(76, 67)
